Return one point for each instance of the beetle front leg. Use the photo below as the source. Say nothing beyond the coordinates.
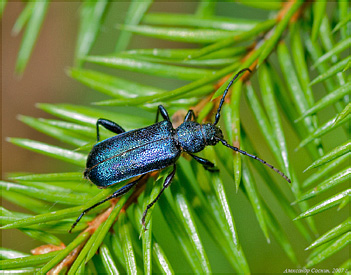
(165, 185)
(109, 125)
(209, 166)
(163, 112)
(190, 115)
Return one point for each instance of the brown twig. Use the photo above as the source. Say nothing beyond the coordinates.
(47, 248)
(65, 264)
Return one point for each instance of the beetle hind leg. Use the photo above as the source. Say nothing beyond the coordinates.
(116, 194)
(165, 185)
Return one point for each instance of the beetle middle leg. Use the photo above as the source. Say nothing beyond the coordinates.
(116, 194)
(165, 185)
(163, 112)
(209, 166)
(109, 125)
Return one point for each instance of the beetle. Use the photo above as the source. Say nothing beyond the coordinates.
(141, 151)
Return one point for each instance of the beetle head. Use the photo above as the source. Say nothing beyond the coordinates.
(212, 134)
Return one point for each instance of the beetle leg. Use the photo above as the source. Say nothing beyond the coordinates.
(116, 194)
(109, 125)
(165, 185)
(190, 115)
(209, 166)
(163, 112)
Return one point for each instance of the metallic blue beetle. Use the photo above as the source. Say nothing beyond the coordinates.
(138, 152)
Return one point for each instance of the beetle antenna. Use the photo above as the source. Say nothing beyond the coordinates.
(218, 114)
(255, 157)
